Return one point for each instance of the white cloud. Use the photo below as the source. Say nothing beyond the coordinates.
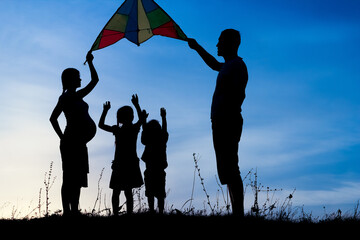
(287, 142)
(345, 193)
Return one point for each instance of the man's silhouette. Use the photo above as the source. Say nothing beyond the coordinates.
(226, 115)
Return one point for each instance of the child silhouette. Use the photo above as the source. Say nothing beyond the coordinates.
(126, 173)
(155, 137)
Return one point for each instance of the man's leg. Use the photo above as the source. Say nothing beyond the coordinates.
(236, 191)
(226, 138)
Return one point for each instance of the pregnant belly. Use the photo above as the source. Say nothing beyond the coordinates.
(82, 131)
(89, 131)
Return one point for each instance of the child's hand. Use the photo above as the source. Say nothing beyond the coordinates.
(135, 99)
(143, 116)
(163, 112)
(107, 106)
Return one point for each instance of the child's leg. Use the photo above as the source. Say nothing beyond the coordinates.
(115, 201)
(161, 204)
(129, 201)
(75, 197)
(151, 203)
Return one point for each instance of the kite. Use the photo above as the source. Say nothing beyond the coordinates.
(138, 20)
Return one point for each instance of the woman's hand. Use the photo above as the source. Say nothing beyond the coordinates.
(89, 57)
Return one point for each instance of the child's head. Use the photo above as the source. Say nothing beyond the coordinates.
(152, 127)
(70, 78)
(125, 115)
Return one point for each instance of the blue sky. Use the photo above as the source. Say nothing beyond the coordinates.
(302, 109)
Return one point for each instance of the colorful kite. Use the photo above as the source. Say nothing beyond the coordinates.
(138, 20)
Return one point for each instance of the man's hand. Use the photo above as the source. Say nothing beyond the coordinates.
(193, 44)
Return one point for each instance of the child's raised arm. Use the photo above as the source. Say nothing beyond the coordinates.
(163, 118)
(102, 124)
(142, 115)
(135, 101)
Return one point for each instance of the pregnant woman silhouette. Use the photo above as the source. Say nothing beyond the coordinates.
(80, 129)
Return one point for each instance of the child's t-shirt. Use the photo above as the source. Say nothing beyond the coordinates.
(125, 143)
(154, 154)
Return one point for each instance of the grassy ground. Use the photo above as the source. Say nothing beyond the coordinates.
(174, 225)
(273, 218)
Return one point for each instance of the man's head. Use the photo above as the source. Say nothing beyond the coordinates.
(229, 42)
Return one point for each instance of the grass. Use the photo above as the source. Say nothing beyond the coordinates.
(172, 225)
(270, 218)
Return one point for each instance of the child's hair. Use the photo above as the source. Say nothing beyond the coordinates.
(67, 77)
(152, 128)
(125, 114)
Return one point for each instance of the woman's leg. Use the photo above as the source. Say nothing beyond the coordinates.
(65, 198)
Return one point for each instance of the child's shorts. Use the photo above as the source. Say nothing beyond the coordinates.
(155, 183)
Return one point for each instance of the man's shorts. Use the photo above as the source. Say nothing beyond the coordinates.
(226, 138)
